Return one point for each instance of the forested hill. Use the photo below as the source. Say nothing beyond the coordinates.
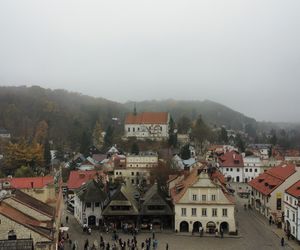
(212, 112)
(68, 115)
(70, 118)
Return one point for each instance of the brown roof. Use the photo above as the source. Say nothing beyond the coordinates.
(33, 203)
(268, 181)
(41, 228)
(147, 118)
(231, 159)
(294, 190)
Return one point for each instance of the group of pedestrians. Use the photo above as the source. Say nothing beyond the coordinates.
(120, 244)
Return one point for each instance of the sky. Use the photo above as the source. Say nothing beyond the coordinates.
(244, 54)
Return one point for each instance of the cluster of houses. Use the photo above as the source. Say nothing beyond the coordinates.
(273, 178)
(192, 200)
(29, 213)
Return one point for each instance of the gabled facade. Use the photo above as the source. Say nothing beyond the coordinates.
(268, 190)
(89, 202)
(156, 208)
(291, 210)
(231, 165)
(147, 125)
(201, 200)
(123, 207)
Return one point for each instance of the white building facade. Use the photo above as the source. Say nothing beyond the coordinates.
(147, 125)
(202, 204)
(291, 210)
(252, 167)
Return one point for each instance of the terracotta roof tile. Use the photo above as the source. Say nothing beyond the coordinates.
(29, 182)
(268, 181)
(79, 177)
(231, 159)
(294, 190)
(147, 118)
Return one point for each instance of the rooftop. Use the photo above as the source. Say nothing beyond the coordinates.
(29, 182)
(147, 118)
(294, 190)
(231, 159)
(79, 177)
(39, 227)
(268, 181)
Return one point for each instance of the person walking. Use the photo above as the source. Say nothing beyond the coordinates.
(222, 232)
(282, 241)
(67, 219)
(167, 246)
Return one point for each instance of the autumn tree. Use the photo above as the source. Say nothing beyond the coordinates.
(98, 139)
(23, 153)
(41, 132)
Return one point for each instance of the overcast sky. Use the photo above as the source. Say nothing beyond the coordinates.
(244, 53)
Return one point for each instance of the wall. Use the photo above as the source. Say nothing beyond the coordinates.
(21, 231)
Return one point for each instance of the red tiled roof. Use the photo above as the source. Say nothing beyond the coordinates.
(147, 118)
(23, 219)
(191, 179)
(294, 190)
(78, 178)
(268, 181)
(231, 159)
(29, 182)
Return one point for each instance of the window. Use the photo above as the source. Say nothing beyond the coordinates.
(287, 198)
(133, 129)
(288, 213)
(293, 217)
(214, 212)
(194, 211)
(132, 173)
(246, 169)
(213, 197)
(129, 129)
(230, 169)
(203, 197)
(295, 202)
(255, 170)
(138, 128)
(227, 169)
(183, 211)
(132, 181)
(238, 170)
(291, 199)
(250, 170)
(137, 173)
(97, 204)
(224, 212)
(293, 230)
(88, 204)
(194, 197)
(204, 212)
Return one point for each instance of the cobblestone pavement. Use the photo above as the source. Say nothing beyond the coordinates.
(253, 231)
